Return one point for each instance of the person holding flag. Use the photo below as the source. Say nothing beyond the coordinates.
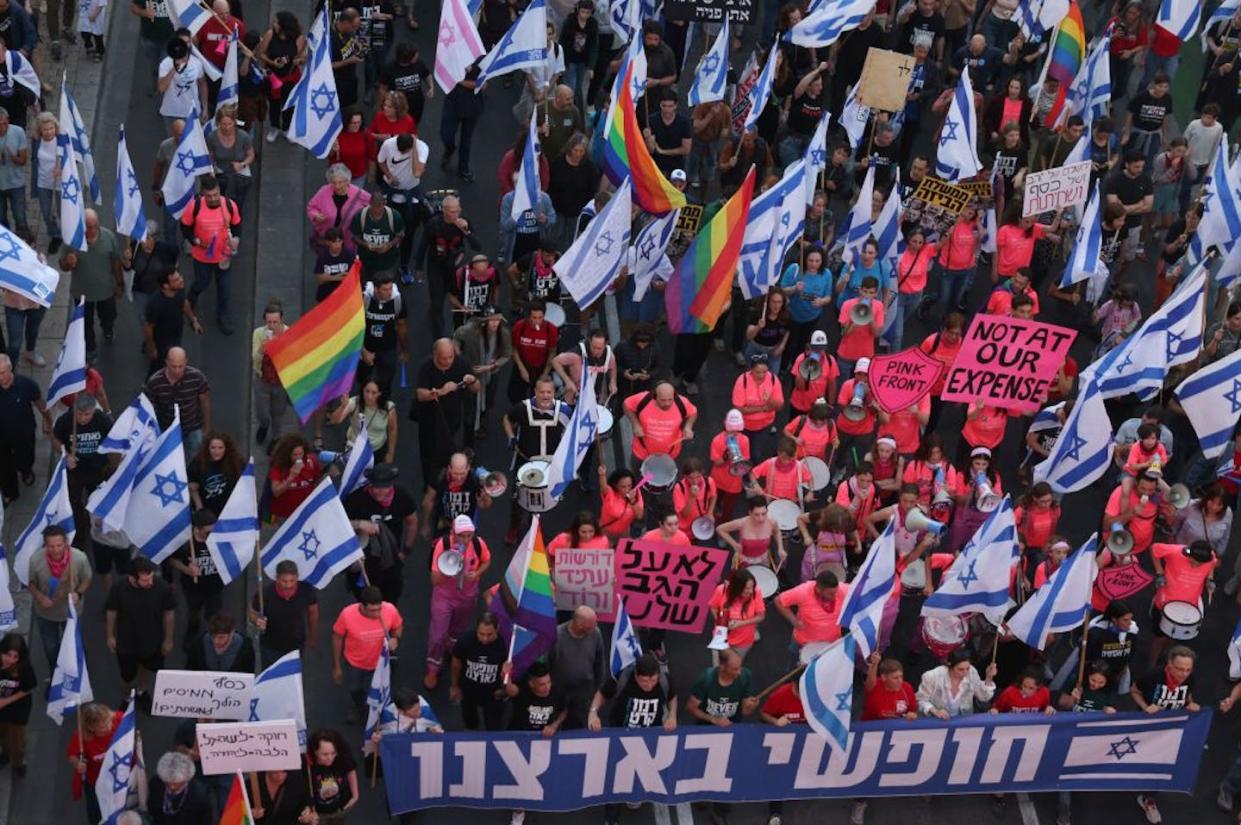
(58, 573)
(141, 614)
(86, 751)
(359, 634)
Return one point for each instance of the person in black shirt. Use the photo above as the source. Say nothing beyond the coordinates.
(221, 648)
(533, 278)
(579, 37)
(213, 472)
(1130, 187)
(537, 705)
(149, 259)
(200, 580)
(332, 264)
(409, 76)
(17, 683)
(78, 434)
(348, 50)
(385, 518)
(440, 250)
(668, 135)
(141, 614)
(1170, 687)
(1147, 118)
(805, 112)
(456, 492)
(20, 397)
(478, 666)
(387, 338)
(462, 109)
(847, 56)
(921, 21)
(439, 405)
(164, 319)
(289, 618)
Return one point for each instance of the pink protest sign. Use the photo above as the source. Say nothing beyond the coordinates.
(1007, 362)
(902, 379)
(586, 577)
(668, 585)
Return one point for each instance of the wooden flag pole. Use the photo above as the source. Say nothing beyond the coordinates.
(792, 674)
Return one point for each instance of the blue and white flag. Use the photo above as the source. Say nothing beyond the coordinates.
(648, 257)
(634, 55)
(8, 611)
(990, 222)
(1080, 150)
(526, 189)
(70, 686)
(317, 537)
(72, 198)
(1084, 261)
(230, 86)
(1037, 17)
(1221, 206)
(118, 774)
(755, 269)
(815, 158)
(523, 46)
(625, 17)
(1179, 17)
(235, 535)
(1060, 605)
(711, 77)
(71, 121)
(157, 518)
(595, 259)
(828, 20)
(1234, 653)
(131, 219)
(314, 100)
(188, 14)
(760, 92)
(790, 216)
(379, 695)
(957, 155)
(1211, 398)
(862, 611)
(189, 160)
(854, 117)
(54, 510)
(69, 376)
(136, 426)
(577, 440)
(20, 69)
(277, 693)
(361, 458)
(1091, 93)
(626, 650)
(390, 722)
(887, 228)
(23, 271)
(858, 226)
(1222, 13)
(1083, 452)
(979, 578)
(109, 503)
(826, 691)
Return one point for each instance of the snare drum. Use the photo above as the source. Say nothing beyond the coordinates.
(810, 650)
(820, 476)
(784, 513)
(606, 422)
(662, 470)
(703, 528)
(766, 582)
(1180, 620)
(554, 313)
(944, 634)
(913, 577)
(532, 491)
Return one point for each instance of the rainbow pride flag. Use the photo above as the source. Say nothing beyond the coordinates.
(317, 357)
(524, 604)
(625, 156)
(1065, 59)
(703, 280)
(237, 808)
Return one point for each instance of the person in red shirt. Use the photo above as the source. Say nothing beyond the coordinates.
(294, 472)
(1015, 246)
(782, 708)
(1037, 516)
(1135, 512)
(621, 506)
(694, 496)
(729, 485)
(661, 419)
(805, 393)
(888, 695)
(855, 436)
(815, 433)
(98, 724)
(534, 343)
(212, 40)
(782, 477)
(1182, 574)
(1027, 695)
(857, 341)
(859, 495)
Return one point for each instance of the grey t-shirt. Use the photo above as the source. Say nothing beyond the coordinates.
(577, 663)
(226, 156)
(13, 176)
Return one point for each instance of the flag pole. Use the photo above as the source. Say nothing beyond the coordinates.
(310, 785)
(258, 575)
(1081, 665)
(995, 646)
(1051, 41)
(792, 674)
(254, 788)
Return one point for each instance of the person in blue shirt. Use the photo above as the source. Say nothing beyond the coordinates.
(809, 290)
(865, 264)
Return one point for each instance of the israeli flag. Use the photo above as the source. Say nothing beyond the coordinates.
(626, 19)
(361, 458)
(755, 269)
(317, 537)
(978, 580)
(70, 374)
(70, 686)
(626, 650)
(1080, 150)
(523, 46)
(828, 20)
(54, 510)
(760, 92)
(712, 74)
(1063, 603)
(634, 56)
(854, 118)
(379, 696)
(647, 256)
(72, 198)
(8, 611)
(79, 136)
(457, 29)
(131, 219)
(110, 501)
(135, 427)
(277, 693)
(826, 691)
(578, 438)
(957, 156)
(862, 611)
(990, 223)
(315, 102)
(189, 160)
(121, 768)
(1084, 262)
(1091, 93)
(236, 533)
(815, 158)
(1037, 17)
(1083, 452)
(389, 722)
(20, 70)
(1223, 12)
(1211, 398)
(188, 14)
(157, 518)
(594, 260)
(887, 228)
(526, 189)
(22, 272)
(858, 228)
(1234, 653)
(1179, 17)
(791, 216)
(1221, 206)
(230, 87)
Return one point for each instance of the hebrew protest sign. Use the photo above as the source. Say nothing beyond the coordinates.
(885, 80)
(668, 585)
(1063, 187)
(202, 694)
(227, 747)
(586, 577)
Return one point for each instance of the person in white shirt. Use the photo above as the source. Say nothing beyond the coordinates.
(401, 161)
(182, 82)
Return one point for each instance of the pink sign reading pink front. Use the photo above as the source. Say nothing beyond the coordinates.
(1007, 362)
(903, 378)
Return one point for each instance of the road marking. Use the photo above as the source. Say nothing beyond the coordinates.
(1029, 816)
(662, 815)
(685, 814)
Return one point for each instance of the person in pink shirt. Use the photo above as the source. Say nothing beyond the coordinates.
(1001, 300)
(737, 605)
(728, 485)
(758, 394)
(815, 433)
(358, 635)
(911, 277)
(858, 494)
(695, 495)
(452, 597)
(906, 426)
(806, 392)
(818, 603)
(857, 341)
(668, 530)
(1135, 511)
(958, 261)
(782, 477)
(984, 427)
(1182, 574)
(943, 346)
(1014, 244)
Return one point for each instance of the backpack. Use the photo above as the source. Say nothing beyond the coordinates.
(650, 396)
(368, 292)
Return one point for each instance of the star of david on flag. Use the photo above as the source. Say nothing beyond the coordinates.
(314, 100)
(317, 537)
(1211, 398)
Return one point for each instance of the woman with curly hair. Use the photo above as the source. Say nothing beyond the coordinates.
(295, 471)
(214, 470)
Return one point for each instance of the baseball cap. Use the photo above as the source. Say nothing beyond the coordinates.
(862, 365)
(734, 422)
(463, 524)
(818, 338)
(678, 174)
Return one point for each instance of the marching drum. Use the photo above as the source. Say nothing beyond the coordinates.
(913, 577)
(944, 634)
(554, 313)
(811, 649)
(532, 492)
(661, 468)
(766, 582)
(703, 528)
(1180, 621)
(606, 422)
(820, 476)
(784, 513)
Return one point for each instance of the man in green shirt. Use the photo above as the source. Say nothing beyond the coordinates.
(96, 276)
(378, 230)
(155, 29)
(722, 695)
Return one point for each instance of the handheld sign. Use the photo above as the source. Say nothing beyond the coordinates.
(228, 747)
(902, 379)
(202, 694)
(885, 80)
(1007, 362)
(1064, 187)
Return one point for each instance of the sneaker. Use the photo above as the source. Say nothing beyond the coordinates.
(57, 53)
(517, 818)
(260, 435)
(225, 325)
(1148, 806)
(272, 134)
(857, 815)
(35, 358)
(70, 37)
(1224, 799)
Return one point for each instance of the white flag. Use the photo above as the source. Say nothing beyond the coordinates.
(157, 518)
(828, 20)
(188, 14)
(135, 427)
(23, 272)
(317, 537)
(235, 535)
(860, 228)
(69, 376)
(523, 46)
(957, 156)
(826, 691)
(1179, 17)
(72, 198)
(277, 693)
(526, 189)
(459, 44)
(594, 260)
(71, 121)
(854, 118)
(1084, 261)
(1083, 452)
(119, 773)
(760, 93)
(626, 650)
(315, 103)
(230, 86)
(578, 438)
(131, 219)
(361, 458)
(815, 158)
(862, 611)
(647, 256)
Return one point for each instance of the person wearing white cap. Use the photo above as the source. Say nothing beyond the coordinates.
(975, 481)
(806, 391)
(857, 431)
(731, 445)
(453, 596)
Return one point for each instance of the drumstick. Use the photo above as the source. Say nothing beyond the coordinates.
(790, 675)
(642, 482)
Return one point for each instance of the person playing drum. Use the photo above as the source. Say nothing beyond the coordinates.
(860, 497)
(818, 603)
(737, 605)
(694, 496)
(758, 394)
(889, 469)
(722, 458)
(815, 433)
(834, 530)
(755, 534)
(661, 419)
(1182, 574)
(600, 367)
(783, 476)
(534, 428)
(621, 504)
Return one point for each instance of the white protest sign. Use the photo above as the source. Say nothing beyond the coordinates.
(204, 694)
(228, 747)
(1051, 190)
(586, 577)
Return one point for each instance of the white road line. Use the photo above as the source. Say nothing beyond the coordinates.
(662, 814)
(1029, 816)
(685, 814)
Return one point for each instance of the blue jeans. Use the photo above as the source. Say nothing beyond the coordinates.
(575, 78)
(19, 323)
(203, 273)
(1159, 65)
(702, 160)
(50, 633)
(903, 308)
(16, 200)
(191, 440)
(791, 149)
(953, 286)
(773, 361)
(47, 205)
(357, 682)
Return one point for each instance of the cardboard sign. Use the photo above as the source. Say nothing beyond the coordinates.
(668, 585)
(1064, 187)
(227, 747)
(1007, 362)
(1120, 581)
(980, 190)
(202, 694)
(885, 80)
(936, 204)
(948, 197)
(690, 219)
(709, 11)
(586, 577)
(902, 379)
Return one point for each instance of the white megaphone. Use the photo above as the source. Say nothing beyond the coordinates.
(327, 458)
(987, 499)
(861, 313)
(1120, 540)
(942, 499)
(1179, 496)
(854, 411)
(737, 465)
(917, 520)
(810, 368)
(494, 483)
